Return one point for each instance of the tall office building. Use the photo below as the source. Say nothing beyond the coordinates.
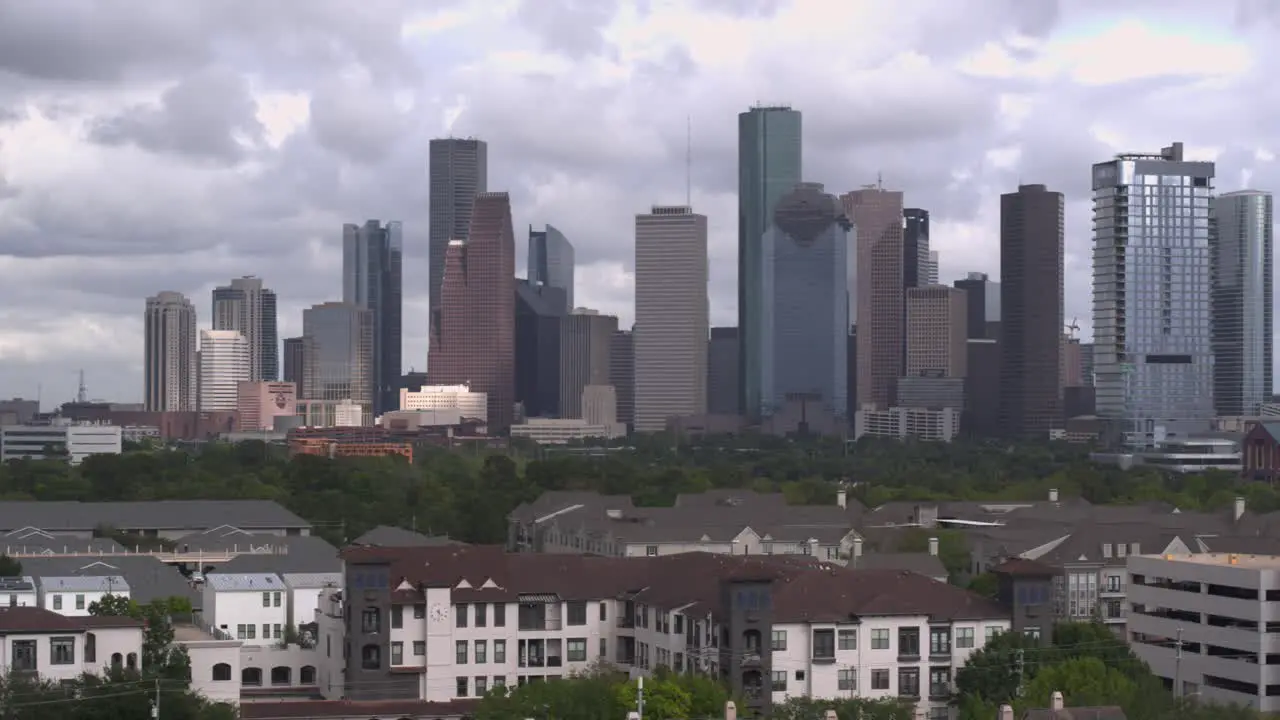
(1241, 256)
(538, 313)
(930, 272)
(585, 345)
(769, 166)
(937, 332)
(248, 308)
(551, 260)
(804, 353)
(458, 170)
(372, 258)
(622, 375)
(982, 297)
(169, 362)
(1153, 351)
(226, 360)
(671, 329)
(723, 384)
(1031, 245)
(474, 342)
(337, 341)
(877, 220)
(292, 363)
(915, 247)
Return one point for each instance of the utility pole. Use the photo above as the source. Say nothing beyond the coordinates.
(640, 698)
(1019, 665)
(155, 705)
(1177, 665)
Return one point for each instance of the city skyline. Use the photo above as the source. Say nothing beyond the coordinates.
(588, 188)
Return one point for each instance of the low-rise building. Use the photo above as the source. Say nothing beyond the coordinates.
(941, 425)
(55, 647)
(74, 595)
(447, 623)
(304, 591)
(251, 608)
(560, 431)
(19, 592)
(169, 519)
(1208, 624)
(74, 442)
(215, 662)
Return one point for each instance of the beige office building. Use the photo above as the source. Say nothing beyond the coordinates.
(672, 323)
(937, 332)
(585, 338)
(224, 364)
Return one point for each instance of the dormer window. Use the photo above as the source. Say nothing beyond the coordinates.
(1106, 550)
(1120, 548)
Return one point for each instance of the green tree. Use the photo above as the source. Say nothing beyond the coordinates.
(803, 708)
(992, 673)
(10, 567)
(160, 656)
(1083, 681)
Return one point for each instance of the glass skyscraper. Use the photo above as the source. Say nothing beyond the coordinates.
(769, 166)
(551, 260)
(371, 278)
(804, 343)
(1153, 357)
(1240, 246)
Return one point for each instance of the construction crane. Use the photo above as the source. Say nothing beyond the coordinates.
(1073, 328)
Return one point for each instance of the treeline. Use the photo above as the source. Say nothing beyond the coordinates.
(467, 495)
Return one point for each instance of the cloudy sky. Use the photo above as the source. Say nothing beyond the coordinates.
(151, 145)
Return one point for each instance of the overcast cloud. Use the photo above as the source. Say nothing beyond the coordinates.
(151, 145)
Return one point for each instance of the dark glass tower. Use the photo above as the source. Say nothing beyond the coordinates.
(371, 278)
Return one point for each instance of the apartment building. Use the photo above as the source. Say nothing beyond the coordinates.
(56, 647)
(18, 592)
(729, 522)
(444, 623)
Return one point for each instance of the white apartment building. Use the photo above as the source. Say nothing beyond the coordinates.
(465, 620)
(559, 431)
(304, 594)
(73, 595)
(672, 321)
(19, 592)
(75, 442)
(1209, 622)
(473, 405)
(251, 608)
(56, 647)
(224, 364)
(933, 425)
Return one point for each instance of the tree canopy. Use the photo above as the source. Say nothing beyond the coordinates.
(467, 494)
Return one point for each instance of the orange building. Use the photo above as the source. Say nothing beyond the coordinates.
(347, 442)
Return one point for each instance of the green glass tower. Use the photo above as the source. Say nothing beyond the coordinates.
(769, 167)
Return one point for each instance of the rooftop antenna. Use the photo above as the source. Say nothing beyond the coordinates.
(688, 160)
(82, 394)
(879, 180)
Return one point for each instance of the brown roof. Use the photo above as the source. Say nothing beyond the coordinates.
(318, 709)
(1024, 567)
(15, 620)
(805, 589)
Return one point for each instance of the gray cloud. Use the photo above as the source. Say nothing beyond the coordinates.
(185, 189)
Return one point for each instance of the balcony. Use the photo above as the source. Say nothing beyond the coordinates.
(752, 659)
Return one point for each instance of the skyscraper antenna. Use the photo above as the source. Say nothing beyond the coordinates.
(688, 160)
(879, 181)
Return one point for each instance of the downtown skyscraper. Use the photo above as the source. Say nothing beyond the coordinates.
(1241, 256)
(458, 170)
(170, 370)
(372, 260)
(1031, 287)
(1153, 352)
(474, 342)
(550, 261)
(881, 307)
(247, 307)
(769, 167)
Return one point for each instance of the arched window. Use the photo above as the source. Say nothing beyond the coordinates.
(90, 648)
(222, 672)
(116, 660)
(251, 677)
(131, 661)
(307, 675)
(281, 675)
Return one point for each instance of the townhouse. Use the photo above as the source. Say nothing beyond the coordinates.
(440, 624)
(73, 595)
(39, 642)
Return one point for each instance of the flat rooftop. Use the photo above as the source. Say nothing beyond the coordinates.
(1243, 560)
(190, 633)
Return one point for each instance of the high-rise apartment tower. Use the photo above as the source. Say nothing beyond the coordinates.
(226, 360)
(248, 308)
(1241, 259)
(169, 363)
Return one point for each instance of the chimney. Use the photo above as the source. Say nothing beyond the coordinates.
(842, 499)
(730, 711)
(1239, 509)
(857, 547)
(1006, 712)
(1055, 701)
(933, 546)
(1053, 494)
